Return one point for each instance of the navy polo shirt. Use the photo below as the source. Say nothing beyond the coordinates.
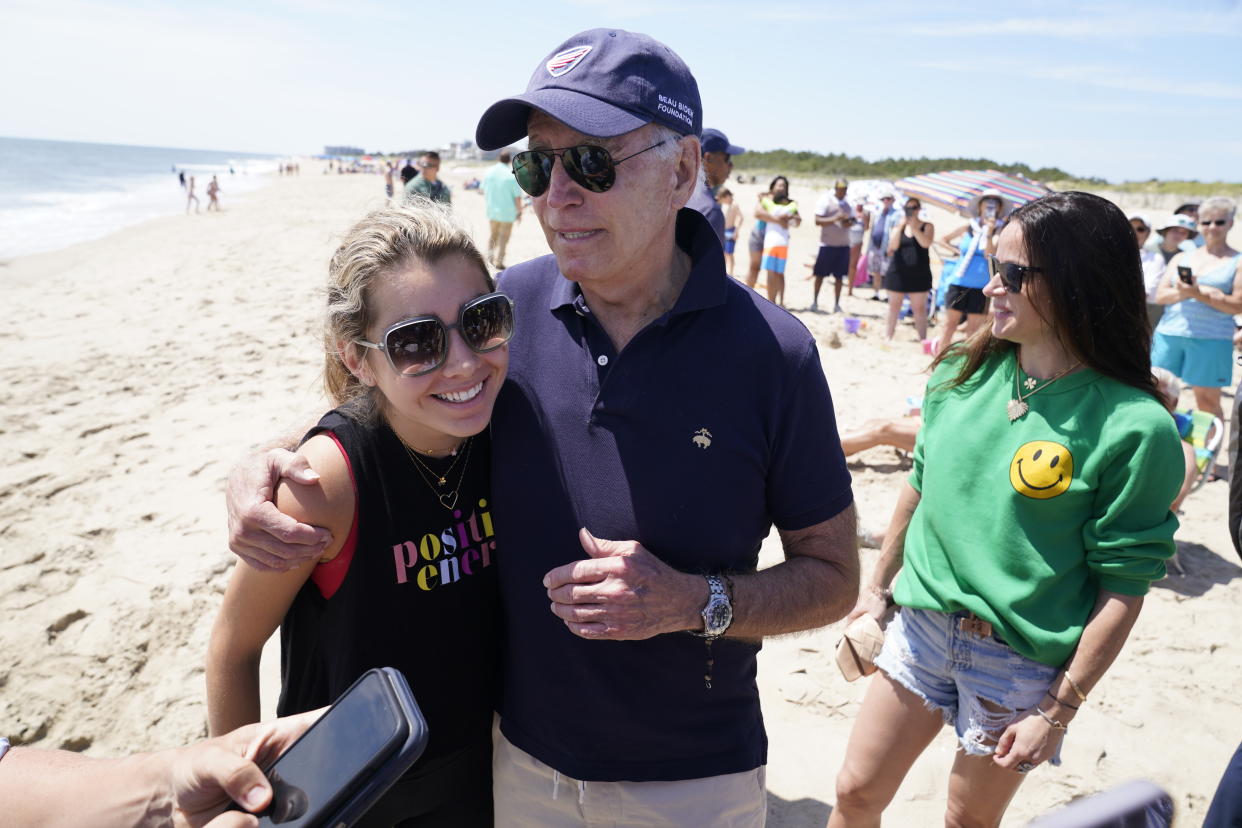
(712, 424)
(704, 201)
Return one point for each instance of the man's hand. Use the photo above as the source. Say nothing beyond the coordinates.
(623, 592)
(202, 778)
(259, 533)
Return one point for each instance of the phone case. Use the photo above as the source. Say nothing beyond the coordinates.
(355, 803)
(396, 765)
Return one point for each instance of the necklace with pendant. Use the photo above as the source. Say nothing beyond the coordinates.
(448, 499)
(1017, 408)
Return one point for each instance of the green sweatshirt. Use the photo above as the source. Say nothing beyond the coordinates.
(1023, 523)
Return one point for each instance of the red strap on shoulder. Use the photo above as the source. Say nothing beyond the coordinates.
(329, 576)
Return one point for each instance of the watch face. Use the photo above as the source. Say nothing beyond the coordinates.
(717, 616)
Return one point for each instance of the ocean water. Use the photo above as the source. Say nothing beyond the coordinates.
(56, 193)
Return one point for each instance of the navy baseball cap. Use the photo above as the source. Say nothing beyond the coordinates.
(716, 141)
(601, 82)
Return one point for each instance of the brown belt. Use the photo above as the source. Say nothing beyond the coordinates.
(975, 625)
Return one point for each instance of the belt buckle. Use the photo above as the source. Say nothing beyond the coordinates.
(975, 626)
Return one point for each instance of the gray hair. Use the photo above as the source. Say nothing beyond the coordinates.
(1219, 204)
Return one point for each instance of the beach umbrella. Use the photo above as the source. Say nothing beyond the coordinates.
(954, 190)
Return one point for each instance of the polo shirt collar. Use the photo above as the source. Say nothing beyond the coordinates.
(705, 286)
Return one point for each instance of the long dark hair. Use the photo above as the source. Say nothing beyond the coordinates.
(1093, 280)
(772, 188)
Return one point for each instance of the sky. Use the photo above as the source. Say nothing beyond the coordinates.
(1118, 90)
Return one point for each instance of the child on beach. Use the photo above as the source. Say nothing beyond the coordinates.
(416, 351)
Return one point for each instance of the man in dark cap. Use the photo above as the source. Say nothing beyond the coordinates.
(717, 164)
(657, 420)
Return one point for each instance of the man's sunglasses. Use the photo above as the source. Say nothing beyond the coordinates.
(1011, 275)
(588, 165)
(420, 345)
(1216, 222)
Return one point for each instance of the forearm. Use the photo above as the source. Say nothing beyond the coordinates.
(816, 584)
(54, 788)
(801, 593)
(892, 553)
(232, 691)
(1104, 635)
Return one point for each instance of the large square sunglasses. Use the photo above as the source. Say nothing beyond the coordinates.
(420, 345)
(588, 165)
(1011, 275)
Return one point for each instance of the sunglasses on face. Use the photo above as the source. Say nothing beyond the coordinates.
(1141, 229)
(589, 166)
(1211, 222)
(420, 345)
(1011, 275)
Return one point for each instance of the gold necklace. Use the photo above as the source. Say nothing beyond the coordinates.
(447, 499)
(1018, 408)
(441, 479)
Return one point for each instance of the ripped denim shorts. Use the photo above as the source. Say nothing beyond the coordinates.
(955, 672)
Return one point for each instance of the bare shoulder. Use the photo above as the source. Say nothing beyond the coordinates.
(329, 504)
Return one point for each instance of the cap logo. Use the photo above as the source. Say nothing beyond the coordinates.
(562, 62)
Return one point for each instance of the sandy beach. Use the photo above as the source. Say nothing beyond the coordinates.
(139, 367)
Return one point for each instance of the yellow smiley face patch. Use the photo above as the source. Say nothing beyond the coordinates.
(1041, 469)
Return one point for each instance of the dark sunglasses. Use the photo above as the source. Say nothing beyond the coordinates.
(1216, 222)
(1011, 275)
(420, 345)
(588, 165)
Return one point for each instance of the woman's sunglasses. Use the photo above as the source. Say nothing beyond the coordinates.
(420, 345)
(1211, 222)
(1011, 275)
(588, 165)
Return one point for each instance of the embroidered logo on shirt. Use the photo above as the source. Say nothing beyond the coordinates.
(702, 438)
(1041, 469)
(562, 62)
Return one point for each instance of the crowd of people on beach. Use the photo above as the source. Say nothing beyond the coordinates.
(541, 496)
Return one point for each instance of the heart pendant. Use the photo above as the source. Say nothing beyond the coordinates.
(1016, 409)
(448, 500)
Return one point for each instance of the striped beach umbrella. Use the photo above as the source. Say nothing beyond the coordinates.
(954, 190)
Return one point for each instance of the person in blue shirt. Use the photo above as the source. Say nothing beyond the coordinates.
(973, 242)
(504, 207)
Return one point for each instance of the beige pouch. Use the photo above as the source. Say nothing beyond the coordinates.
(859, 647)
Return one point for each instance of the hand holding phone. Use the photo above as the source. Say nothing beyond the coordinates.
(350, 757)
(1185, 274)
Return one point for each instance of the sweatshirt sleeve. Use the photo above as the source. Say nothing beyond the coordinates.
(1130, 534)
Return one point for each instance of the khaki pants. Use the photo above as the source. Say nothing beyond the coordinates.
(498, 240)
(529, 794)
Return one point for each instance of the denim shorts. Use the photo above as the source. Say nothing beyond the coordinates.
(954, 672)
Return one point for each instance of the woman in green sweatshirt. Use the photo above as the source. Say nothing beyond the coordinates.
(1035, 518)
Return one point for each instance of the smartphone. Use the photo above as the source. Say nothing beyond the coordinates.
(1184, 274)
(989, 210)
(350, 757)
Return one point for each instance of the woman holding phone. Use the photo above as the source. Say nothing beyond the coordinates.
(909, 267)
(416, 350)
(1034, 520)
(1203, 291)
(973, 243)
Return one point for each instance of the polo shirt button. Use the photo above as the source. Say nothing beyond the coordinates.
(602, 360)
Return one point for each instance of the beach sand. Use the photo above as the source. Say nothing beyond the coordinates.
(139, 367)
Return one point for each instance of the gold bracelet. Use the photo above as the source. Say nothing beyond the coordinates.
(1082, 697)
(1055, 724)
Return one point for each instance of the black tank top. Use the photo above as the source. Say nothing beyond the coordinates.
(420, 593)
(910, 258)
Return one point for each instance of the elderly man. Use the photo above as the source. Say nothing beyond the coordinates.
(717, 162)
(658, 419)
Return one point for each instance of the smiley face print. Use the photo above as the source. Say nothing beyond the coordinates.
(1041, 469)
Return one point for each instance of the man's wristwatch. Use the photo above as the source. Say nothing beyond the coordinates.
(718, 612)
